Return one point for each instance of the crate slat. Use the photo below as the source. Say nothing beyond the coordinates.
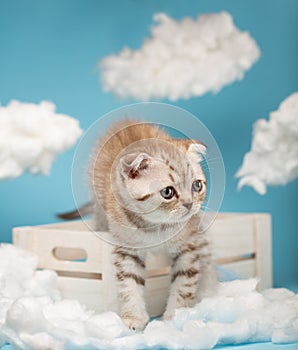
(244, 268)
(263, 250)
(232, 236)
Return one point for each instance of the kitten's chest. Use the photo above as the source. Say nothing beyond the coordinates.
(188, 234)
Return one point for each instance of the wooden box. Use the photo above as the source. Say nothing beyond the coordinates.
(240, 242)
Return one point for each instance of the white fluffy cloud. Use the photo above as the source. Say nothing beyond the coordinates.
(273, 158)
(31, 136)
(33, 315)
(181, 59)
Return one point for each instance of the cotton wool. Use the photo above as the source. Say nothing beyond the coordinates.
(32, 136)
(273, 158)
(181, 59)
(39, 320)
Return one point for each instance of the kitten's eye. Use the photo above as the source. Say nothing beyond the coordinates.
(168, 192)
(197, 186)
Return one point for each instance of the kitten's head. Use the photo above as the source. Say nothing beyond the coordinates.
(163, 182)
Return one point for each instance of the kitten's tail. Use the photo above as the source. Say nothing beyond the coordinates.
(82, 211)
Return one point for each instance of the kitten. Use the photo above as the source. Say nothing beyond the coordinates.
(151, 187)
(147, 190)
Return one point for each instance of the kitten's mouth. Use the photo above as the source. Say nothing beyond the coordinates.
(188, 213)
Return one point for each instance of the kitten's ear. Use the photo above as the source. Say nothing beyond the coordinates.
(196, 151)
(133, 164)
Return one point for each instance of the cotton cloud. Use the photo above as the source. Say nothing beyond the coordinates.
(273, 158)
(181, 59)
(33, 315)
(31, 136)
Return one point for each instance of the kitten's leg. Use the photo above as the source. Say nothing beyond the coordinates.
(130, 273)
(185, 278)
(208, 282)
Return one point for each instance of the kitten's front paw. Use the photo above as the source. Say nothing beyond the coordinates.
(135, 323)
(168, 315)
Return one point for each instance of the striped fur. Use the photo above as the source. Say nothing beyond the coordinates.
(131, 165)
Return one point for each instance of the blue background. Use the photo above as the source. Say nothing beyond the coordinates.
(50, 49)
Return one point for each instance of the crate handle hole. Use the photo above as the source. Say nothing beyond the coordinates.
(70, 254)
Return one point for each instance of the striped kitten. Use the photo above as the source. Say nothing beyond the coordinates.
(151, 187)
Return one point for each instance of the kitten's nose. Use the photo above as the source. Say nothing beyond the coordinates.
(187, 205)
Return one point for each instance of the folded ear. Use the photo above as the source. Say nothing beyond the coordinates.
(134, 164)
(197, 151)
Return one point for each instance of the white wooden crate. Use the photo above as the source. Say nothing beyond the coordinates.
(241, 243)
